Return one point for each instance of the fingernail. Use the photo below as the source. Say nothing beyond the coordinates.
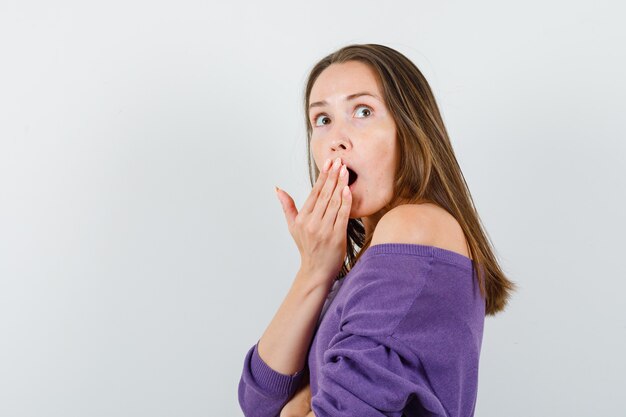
(276, 189)
(326, 165)
(336, 164)
(343, 171)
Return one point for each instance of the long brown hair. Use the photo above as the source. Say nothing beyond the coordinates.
(427, 168)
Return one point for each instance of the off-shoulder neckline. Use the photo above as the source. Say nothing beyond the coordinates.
(445, 255)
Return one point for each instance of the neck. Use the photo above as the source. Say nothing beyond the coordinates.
(369, 223)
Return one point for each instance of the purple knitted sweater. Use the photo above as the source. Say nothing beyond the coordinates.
(400, 334)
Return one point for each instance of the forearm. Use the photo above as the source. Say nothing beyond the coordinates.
(285, 342)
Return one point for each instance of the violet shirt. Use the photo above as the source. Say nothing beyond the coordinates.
(399, 335)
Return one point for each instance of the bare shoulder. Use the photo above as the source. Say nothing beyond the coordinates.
(424, 224)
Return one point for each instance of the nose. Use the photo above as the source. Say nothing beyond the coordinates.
(339, 145)
(339, 139)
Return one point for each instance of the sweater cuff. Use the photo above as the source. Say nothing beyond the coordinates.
(271, 380)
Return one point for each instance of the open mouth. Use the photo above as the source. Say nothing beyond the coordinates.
(352, 176)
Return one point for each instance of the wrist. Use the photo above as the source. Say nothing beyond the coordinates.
(311, 281)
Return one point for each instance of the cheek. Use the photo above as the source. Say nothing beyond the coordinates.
(315, 153)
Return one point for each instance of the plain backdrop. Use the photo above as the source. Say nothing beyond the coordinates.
(143, 250)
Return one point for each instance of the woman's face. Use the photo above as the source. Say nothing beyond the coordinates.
(359, 130)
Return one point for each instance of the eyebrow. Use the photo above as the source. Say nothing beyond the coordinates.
(350, 97)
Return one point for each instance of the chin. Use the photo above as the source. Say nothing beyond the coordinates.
(354, 213)
(357, 212)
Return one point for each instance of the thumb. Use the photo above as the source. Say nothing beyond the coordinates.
(289, 207)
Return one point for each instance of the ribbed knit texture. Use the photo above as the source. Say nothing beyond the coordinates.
(273, 382)
(400, 334)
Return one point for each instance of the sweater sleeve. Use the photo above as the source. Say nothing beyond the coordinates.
(367, 369)
(263, 392)
(372, 376)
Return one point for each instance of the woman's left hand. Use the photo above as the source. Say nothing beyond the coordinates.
(299, 405)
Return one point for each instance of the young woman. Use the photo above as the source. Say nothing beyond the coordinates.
(385, 315)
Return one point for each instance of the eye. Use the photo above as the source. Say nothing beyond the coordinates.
(317, 118)
(368, 110)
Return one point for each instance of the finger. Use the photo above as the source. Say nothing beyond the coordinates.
(309, 204)
(288, 205)
(334, 204)
(327, 191)
(343, 215)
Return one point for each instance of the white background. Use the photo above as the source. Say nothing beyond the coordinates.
(143, 250)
